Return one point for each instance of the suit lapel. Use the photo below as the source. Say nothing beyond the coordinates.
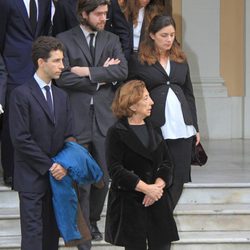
(38, 95)
(172, 68)
(133, 142)
(57, 103)
(22, 9)
(158, 66)
(81, 41)
(99, 45)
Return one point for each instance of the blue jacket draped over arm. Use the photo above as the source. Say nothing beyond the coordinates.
(82, 169)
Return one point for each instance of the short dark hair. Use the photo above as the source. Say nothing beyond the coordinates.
(127, 95)
(89, 6)
(42, 47)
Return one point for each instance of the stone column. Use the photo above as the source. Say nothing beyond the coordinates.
(219, 115)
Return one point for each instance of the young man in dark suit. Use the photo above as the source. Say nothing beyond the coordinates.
(94, 63)
(21, 22)
(40, 122)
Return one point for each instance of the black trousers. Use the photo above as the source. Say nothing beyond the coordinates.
(180, 150)
(38, 225)
(150, 247)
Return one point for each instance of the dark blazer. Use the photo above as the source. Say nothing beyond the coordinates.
(82, 89)
(36, 135)
(16, 37)
(118, 24)
(65, 16)
(3, 81)
(128, 221)
(158, 83)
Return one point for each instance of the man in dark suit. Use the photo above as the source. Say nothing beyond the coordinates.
(94, 63)
(40, 123)
(21, 21)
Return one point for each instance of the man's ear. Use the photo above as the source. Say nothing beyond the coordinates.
(84, 14)
(40, 62)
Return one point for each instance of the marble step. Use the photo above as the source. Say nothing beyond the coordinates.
(212, 217)
(217, 193)
(8, 197)
(189, 217)
(188, 241)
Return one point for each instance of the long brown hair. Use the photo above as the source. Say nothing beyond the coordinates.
(148, 52)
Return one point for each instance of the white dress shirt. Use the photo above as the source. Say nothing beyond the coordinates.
(42, 84)
(137, 29)
(27, 5)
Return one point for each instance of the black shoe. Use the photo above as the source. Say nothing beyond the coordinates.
(95, 232)
(8, 181)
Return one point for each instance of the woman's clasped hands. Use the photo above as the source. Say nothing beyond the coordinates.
(153, 193)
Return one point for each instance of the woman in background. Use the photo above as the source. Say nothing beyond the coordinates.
(129, 19)
(138, 213)
(163, 66)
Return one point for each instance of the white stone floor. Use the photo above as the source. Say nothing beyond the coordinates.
(228, 162)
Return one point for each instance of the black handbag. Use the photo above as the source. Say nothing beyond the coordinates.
(199, 156)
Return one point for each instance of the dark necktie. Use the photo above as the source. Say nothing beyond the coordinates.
(49, 99)
(91, 45)
(33, 15)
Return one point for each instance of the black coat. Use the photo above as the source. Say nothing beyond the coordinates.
(118, 24)
(158, 83)
(128, 222)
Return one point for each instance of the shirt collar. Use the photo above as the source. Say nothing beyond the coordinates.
(86, 32)
(40, 82)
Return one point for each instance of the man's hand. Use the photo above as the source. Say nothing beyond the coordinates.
(1, 109)
(111, 61)
(57, 171)
(80, 71)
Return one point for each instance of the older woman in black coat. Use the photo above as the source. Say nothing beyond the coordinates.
(138, 215)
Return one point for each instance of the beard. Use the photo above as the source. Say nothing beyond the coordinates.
(93, 27)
